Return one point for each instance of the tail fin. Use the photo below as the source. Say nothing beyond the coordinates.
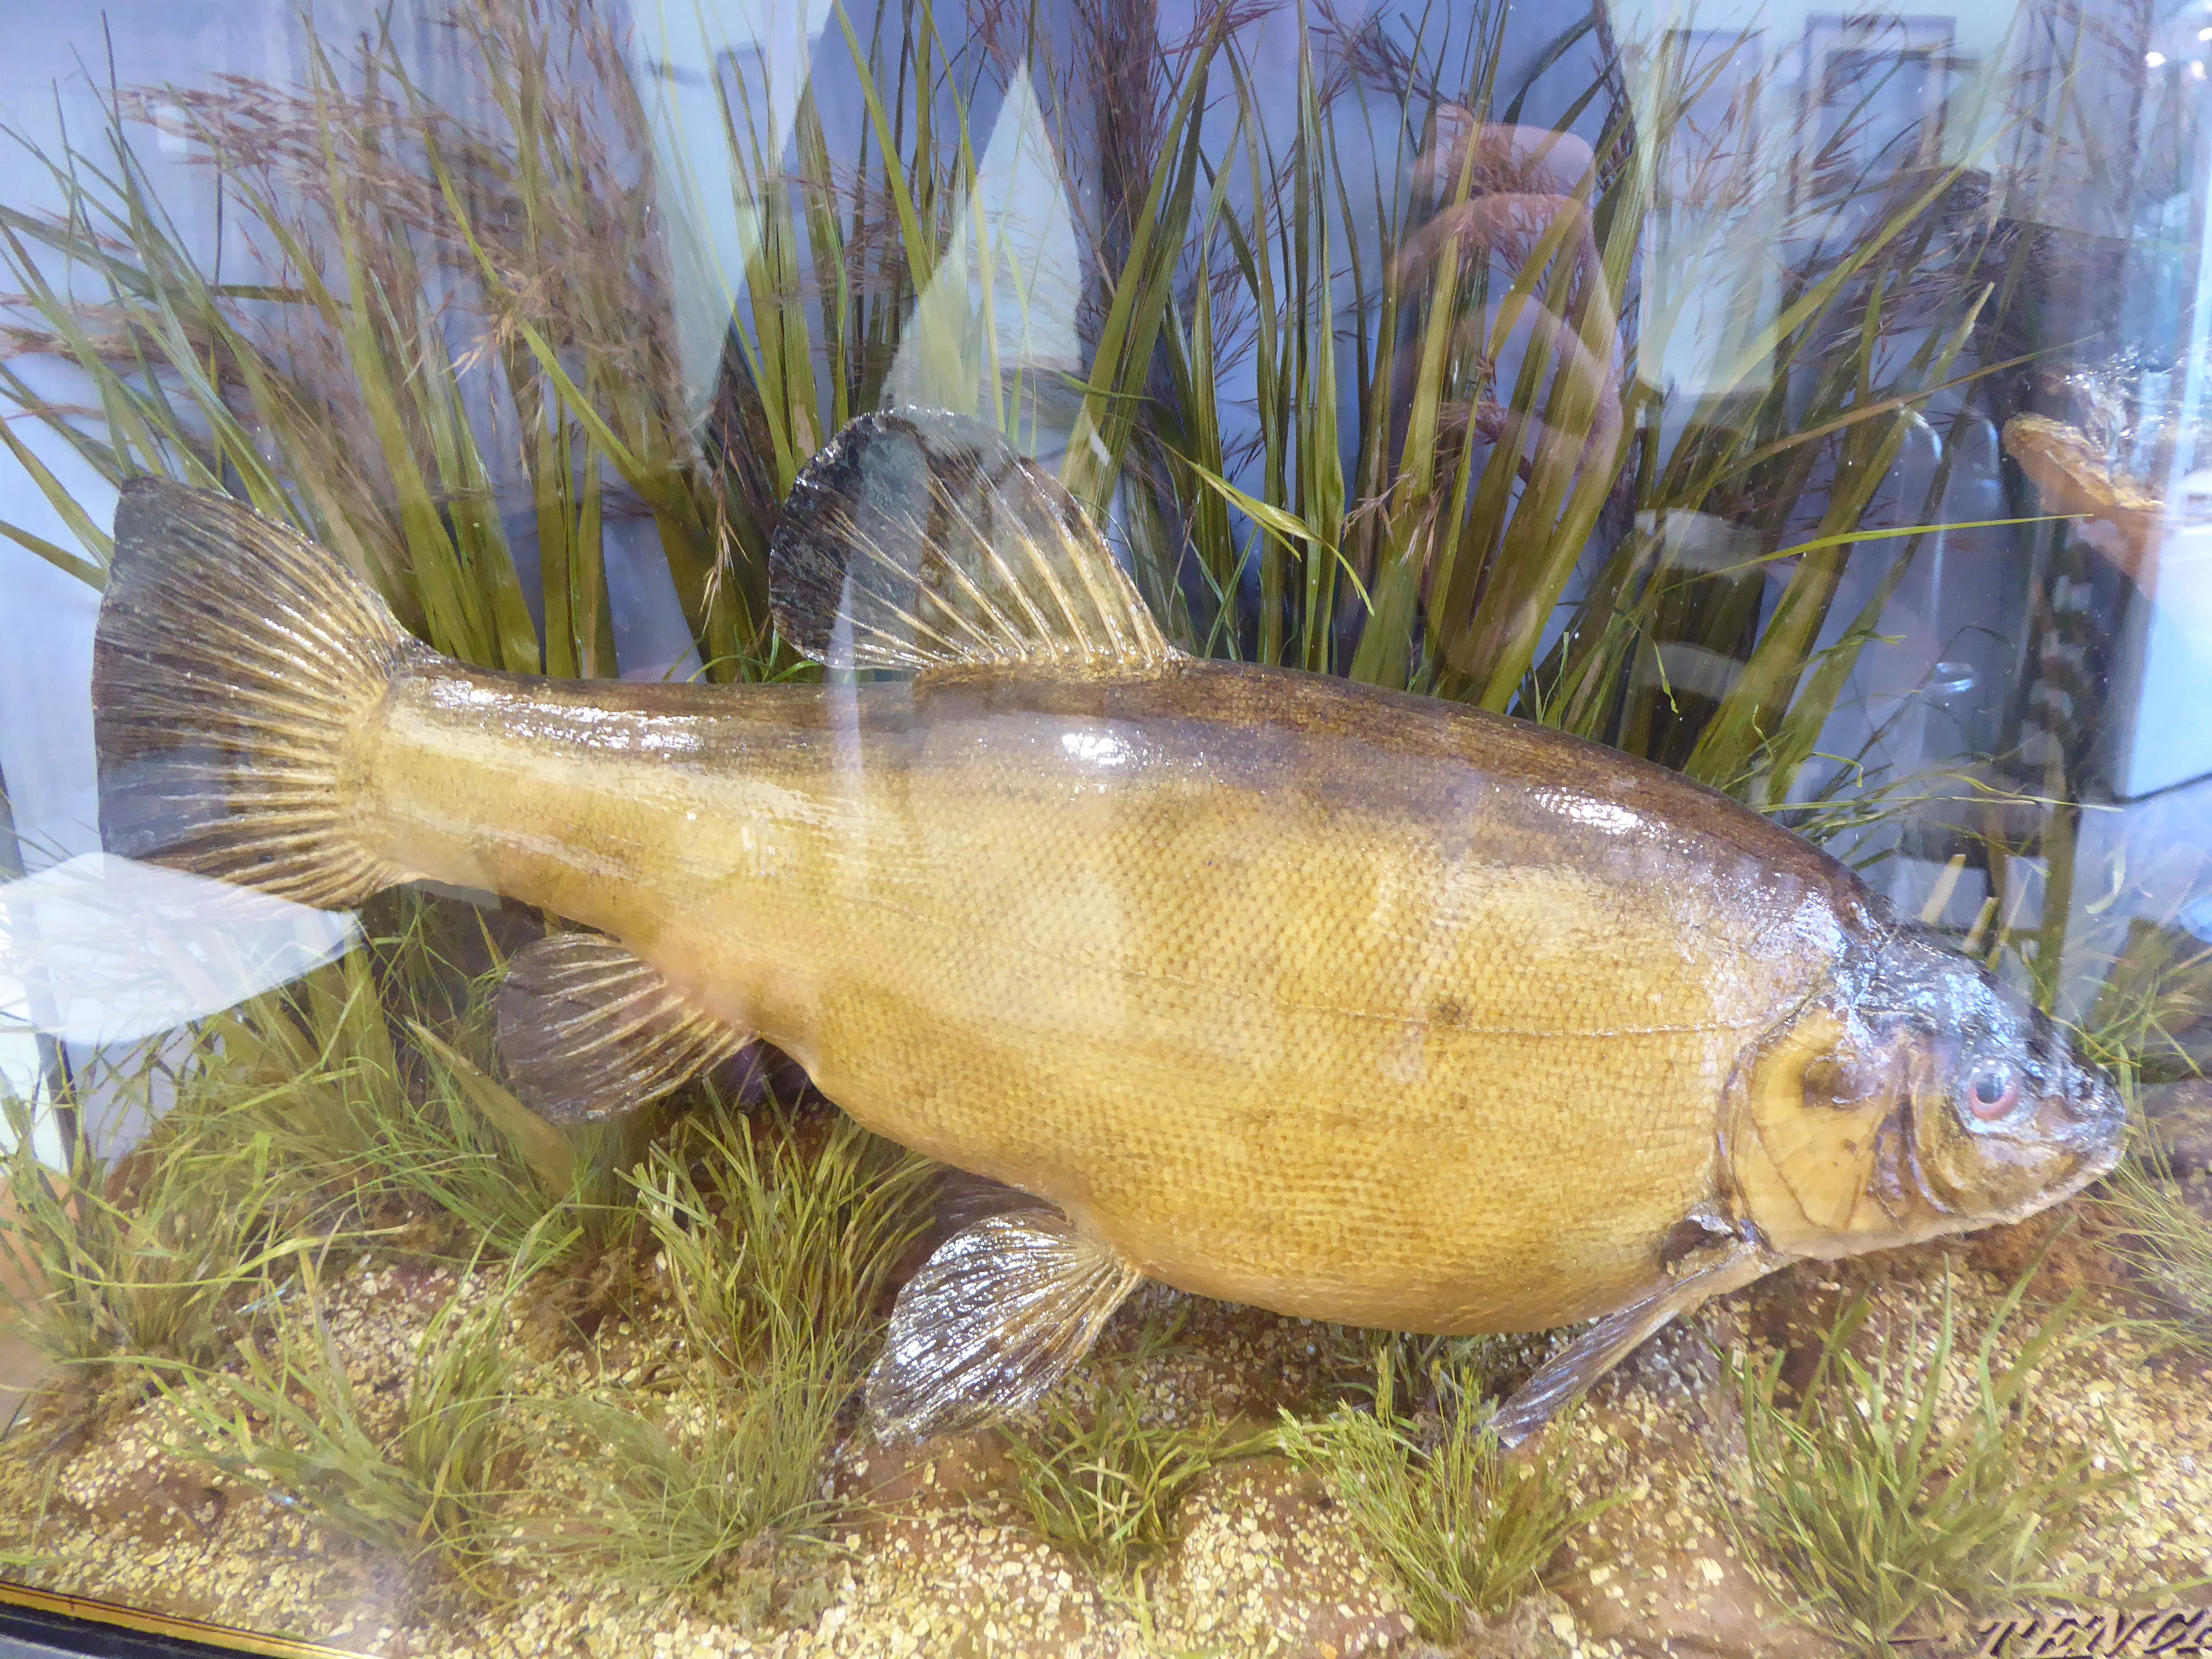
(234, 662)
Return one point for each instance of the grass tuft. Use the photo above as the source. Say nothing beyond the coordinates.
(1106, 1488)
(1872, 1500)
(1103, 1484)
(292, 1422)
(1410, 1373)
(731, 1502)
(777, 1244)
(370, 1078)
(776, 1249)
(2163, 1237)
(1464, 1529)
(102, 1267)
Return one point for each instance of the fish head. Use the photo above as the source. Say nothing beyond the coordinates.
(1922, 1097)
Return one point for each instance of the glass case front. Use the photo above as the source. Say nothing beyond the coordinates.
(1099, 827)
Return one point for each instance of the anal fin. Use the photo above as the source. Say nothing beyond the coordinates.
(590, 1029)
(1003, 1310)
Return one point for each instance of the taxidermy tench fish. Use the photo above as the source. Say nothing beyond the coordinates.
(1274, 988)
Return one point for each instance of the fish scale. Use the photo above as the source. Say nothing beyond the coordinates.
(1038, 980)
(1041, 932)
(1268, 987)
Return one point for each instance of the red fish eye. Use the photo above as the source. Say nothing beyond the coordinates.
(1993, 1091)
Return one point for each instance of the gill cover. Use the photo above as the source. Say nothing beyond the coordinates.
(1920, 1097)
(1820, 1144)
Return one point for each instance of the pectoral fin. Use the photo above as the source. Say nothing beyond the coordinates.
(1563, 1377)
(1003, 1310)
(589, 1030)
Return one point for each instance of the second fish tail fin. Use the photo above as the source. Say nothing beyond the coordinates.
(234, 666)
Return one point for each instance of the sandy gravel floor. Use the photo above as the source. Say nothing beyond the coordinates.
(938, 1563)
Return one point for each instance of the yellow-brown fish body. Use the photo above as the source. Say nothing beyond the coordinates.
(1347, 1004)
(1299, 993)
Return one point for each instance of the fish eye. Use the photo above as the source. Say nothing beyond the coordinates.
(1992, 1088)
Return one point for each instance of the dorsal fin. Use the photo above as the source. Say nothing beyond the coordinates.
(588, 1029)
(919, 539)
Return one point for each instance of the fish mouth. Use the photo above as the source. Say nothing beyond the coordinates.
(2096, 1114)
(2095, 1146)
(2093, 1166)
(2089, 1119)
